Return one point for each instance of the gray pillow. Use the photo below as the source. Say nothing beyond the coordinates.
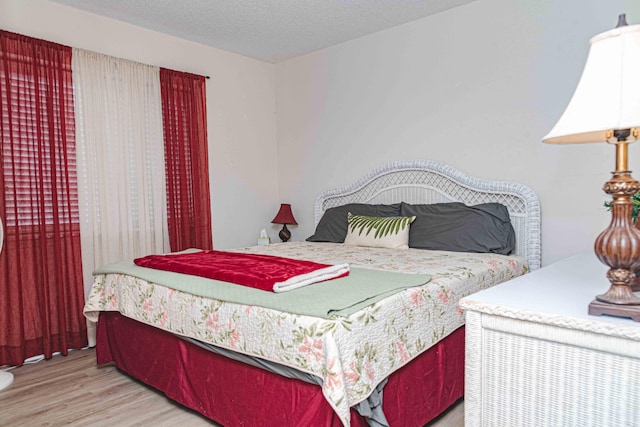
(333, 225)
(461, 228)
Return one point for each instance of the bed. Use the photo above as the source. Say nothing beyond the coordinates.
(396, 359)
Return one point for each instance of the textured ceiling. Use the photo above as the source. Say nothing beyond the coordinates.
(268, 30)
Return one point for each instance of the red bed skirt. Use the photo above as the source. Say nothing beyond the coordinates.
(235, 394)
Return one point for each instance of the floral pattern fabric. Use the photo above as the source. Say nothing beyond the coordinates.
(351, 354)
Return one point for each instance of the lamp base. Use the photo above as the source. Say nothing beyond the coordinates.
(284, 234)
(618, 246)
(598, 308)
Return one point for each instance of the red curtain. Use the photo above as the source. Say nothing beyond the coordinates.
(41, 291)
(184, 116)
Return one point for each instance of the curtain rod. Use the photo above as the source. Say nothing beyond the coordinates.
(11, 34)
(188, 72)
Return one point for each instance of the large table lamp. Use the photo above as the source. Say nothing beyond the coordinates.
(284, 217)
(606, 108)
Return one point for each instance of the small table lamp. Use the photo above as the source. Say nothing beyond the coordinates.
(284, 217)
(606, 108)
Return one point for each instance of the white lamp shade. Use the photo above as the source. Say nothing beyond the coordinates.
(608, 94)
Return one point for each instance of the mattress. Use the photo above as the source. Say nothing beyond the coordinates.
(351, 354)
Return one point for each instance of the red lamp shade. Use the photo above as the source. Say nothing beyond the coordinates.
(284, 215)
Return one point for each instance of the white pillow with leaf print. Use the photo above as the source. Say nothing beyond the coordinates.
(378, 232)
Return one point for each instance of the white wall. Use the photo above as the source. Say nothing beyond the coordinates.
(240, 105)
(476, 87)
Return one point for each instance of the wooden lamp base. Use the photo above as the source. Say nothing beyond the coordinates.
(618, 246)
(598, 308)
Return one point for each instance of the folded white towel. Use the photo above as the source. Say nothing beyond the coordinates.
(316, 276)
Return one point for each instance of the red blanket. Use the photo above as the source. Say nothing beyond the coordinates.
(266, 272)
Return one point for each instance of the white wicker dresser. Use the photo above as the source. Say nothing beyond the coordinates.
(535, 358)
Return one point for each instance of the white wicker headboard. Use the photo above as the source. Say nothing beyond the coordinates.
(428, 181)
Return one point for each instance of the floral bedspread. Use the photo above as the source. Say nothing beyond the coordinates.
(351, 354)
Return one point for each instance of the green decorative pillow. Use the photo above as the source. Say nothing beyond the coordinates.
(378, 232)
(333, 224)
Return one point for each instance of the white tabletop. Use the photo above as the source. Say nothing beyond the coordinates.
(557, 292)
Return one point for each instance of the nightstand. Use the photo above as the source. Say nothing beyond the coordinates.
(534, 357)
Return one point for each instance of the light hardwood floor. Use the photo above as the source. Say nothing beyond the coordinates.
(73, 391)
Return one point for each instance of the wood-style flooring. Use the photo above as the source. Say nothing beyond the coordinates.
(74, 391)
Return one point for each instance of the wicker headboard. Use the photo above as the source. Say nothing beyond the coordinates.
(428, 181)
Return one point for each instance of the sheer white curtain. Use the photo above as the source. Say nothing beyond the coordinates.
(120, 151)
